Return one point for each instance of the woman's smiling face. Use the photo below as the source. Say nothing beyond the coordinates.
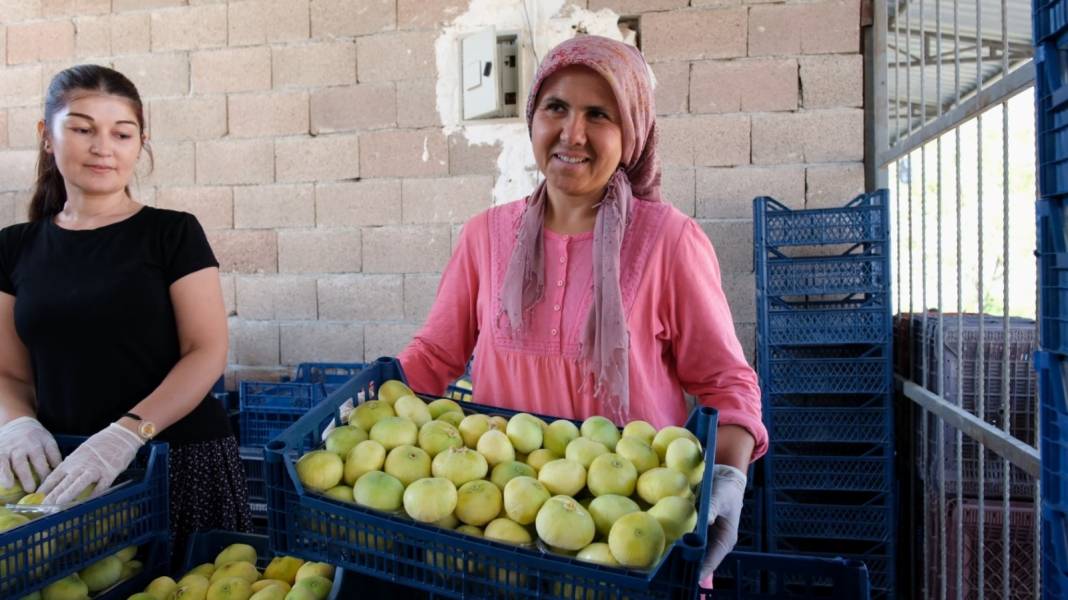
(576, 134)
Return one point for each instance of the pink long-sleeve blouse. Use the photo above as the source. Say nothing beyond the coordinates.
(681, 332)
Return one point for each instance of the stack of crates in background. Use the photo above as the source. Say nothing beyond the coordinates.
(267, 408)
(824, 358)
(955, 374)
(1051, 115)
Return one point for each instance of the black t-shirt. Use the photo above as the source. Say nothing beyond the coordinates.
(94, 310)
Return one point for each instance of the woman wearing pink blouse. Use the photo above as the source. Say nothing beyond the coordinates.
(592, 296)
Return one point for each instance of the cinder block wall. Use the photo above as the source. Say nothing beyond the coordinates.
(304, 134)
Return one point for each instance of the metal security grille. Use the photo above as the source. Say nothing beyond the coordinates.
(953, 140)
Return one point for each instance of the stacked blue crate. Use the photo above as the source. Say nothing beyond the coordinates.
(1050, 30)
(824, 335)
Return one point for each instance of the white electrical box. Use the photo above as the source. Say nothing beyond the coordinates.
(489, 76)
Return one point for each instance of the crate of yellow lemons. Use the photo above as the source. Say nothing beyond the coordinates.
(590, 491)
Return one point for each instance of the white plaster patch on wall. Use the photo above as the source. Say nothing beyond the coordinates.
(550, 22)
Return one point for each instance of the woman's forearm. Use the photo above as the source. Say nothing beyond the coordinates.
(183, 388)
(734, 447)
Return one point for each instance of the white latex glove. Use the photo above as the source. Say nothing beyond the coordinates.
(99, 460)
(25, 442)
(724, 513)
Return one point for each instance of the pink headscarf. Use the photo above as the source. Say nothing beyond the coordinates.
(605, 343)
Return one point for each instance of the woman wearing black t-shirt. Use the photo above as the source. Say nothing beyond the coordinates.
(111, 319)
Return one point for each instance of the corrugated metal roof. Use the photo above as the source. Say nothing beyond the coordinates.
(915, 34)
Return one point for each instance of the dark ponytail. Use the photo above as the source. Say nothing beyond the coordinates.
(49, 190)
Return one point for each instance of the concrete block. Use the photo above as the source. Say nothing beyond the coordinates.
(189, 27)
(172, 164)
(321, 342)
(319, 251)
(317, 64)
(228, 293)
(92, 36)
(124, 5)
(833, 185)
(345, 18)
(22, 127)
(672, 90)
(466, 158)
(232, 161)
(816, 136)
(245, 251)
(265, 115)
(807, 28)
(397, 56)
(334, 109)
(428, 14)
(387, 339)
(733, 241)
(3, 44)
(212, 206)
(21, 86)
(677, 187)
(320, 158)
(832, 81)
(231, 70)
(632, 7)
(280, 297)
(40, 41)
(273, 206)
(8, 203)
(756, 85)
(254, 342)
(268, 21)
(446, 200)
(17, 169)
(22, 206)
(195, 118)
(406, 248)
(729, 193)
(694, 34)
(417, 104)
(361, 297)
(746, 333)
(131, 33)
(708, 140)
(404, 153)
(72, 8)
(740, 289)
(3, 129)
(156, 74)
(20, 10)
(358, 203)
(420, 289)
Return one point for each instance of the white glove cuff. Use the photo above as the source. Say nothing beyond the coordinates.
(22, 419)
(730, 473)
(133, 437)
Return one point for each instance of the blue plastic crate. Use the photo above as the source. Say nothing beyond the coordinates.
(872, 425)
(757, 576)
(1051, 118)
(1053, 411)
(134, 513)
(879, 558)
(827, 376)
(268, 408)
(396, 548)
(1054, 553)
(864, 219)
(1050, 18)
(831, 473)
(751, 524)
(869, 523)
(256, 476)
(1053, 275)
(802, 324)
(826, 276)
